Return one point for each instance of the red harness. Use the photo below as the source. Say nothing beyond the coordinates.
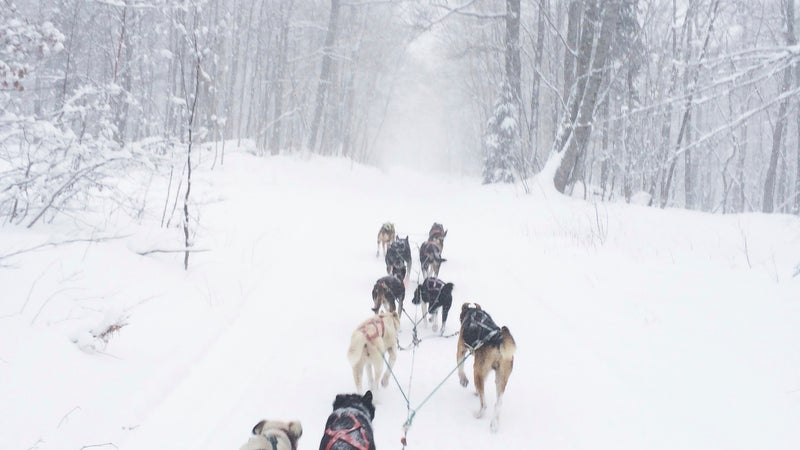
(378, 329)
(344, 435)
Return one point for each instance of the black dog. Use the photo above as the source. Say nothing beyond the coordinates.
(436, 294)
(430, 257)
(398, 258)
(386, 292)
(349, 427)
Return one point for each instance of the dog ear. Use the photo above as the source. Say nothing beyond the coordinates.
(259, 426)
(368, 397)
(295, 429)
(477, 306)
(445, 233)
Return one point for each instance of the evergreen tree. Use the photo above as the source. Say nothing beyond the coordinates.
(501, 140)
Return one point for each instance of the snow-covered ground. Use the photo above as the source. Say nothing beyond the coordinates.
(636, 328)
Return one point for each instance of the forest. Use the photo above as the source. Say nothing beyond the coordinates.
(685, 104)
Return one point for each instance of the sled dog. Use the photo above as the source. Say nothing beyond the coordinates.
(389, 292)
(385, 237)
(437, 295)
(493, 348)
(370, 341)
(349, 426)
(274, 435)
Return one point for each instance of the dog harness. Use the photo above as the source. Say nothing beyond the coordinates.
(429, 251)
(344, 435)
(479, 329)
(373, 329)
(272, 440)
(395, 256)
(431, 286)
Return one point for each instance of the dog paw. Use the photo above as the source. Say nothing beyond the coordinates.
(462, 379)
(494, 424)
(385, 381)
(435, 327)
(479, 413)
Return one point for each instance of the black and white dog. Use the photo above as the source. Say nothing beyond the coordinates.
(349, 426)
(398, 258)
(389, 292)
(436, 294)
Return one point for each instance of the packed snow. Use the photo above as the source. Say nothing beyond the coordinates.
(636, 328)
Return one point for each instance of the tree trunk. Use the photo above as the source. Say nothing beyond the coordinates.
(533, 130)
(797, 143)
(514, 75)
(576, 129)
(768, 203)
(574, 12)
(275, 140)
(325, 74)
(688, 185)
(714, 7)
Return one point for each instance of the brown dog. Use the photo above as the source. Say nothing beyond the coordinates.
(385, 237)
(274, 435)
(372, 339)
(493, 348)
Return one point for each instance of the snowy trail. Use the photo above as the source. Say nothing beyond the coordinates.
(624, 341)
(576, 367)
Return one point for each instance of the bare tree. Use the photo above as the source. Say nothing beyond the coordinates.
(596, 34)
(767, 204)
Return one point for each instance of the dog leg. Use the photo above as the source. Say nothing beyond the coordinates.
(377, 366)
(500, 380)
(357, 373)
(370, 366)
(392, 357)
(479, 381)
(435, 318)
(460, 353)
(495, 423)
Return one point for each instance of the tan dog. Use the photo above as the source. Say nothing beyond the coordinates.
(493, 348)
(274, 435)
(372, 339)
(385, 238)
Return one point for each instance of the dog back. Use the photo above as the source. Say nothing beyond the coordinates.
(478, 329)
(429, 252)
(391, 283)
(349, 426)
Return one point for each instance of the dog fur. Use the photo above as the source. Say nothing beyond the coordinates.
(349, 426)
(372, 339)
(437, 234)
(398, 258)
(389, 292)
(385, 237)
(488, 357)
(274, 435)
(430, 257)
(437, 296)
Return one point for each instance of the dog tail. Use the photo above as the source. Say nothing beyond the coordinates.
(448, 289)
(508, 347)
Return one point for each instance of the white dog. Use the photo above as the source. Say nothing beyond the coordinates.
(274, 435)
(372, 339)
